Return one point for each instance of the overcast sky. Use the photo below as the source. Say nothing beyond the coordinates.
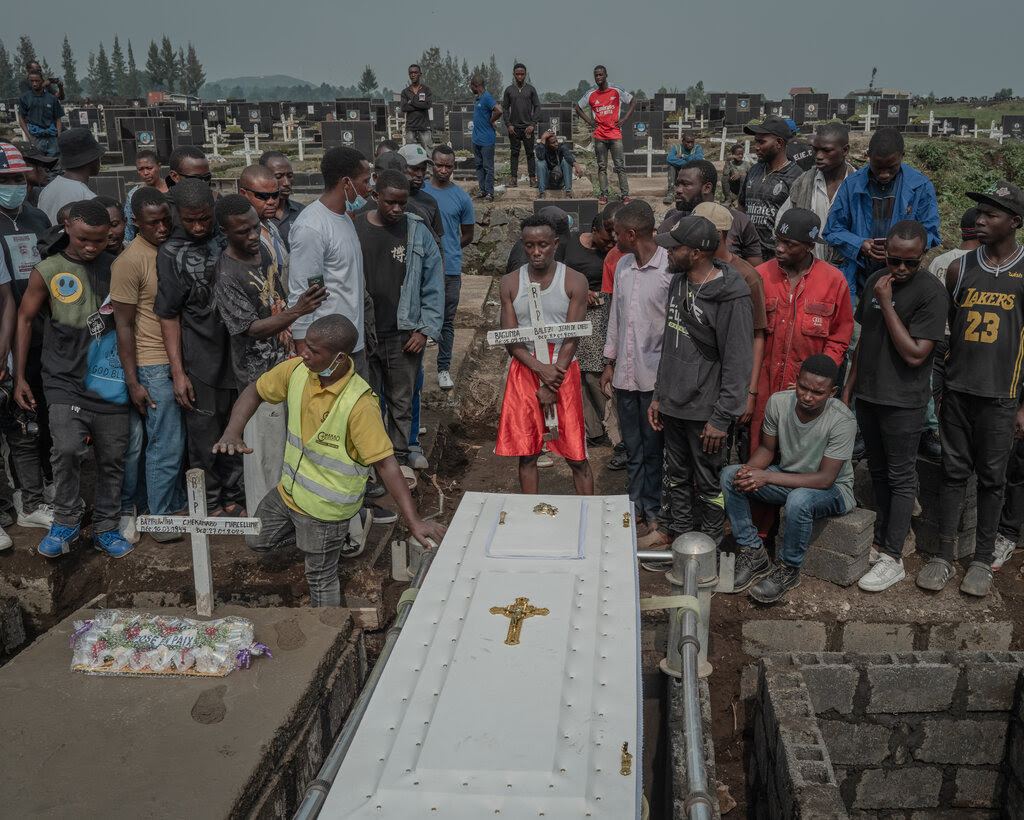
(944, 46)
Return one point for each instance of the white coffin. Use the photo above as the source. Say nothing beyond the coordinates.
(464, 726)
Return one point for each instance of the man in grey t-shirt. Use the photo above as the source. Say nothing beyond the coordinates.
(813, 433)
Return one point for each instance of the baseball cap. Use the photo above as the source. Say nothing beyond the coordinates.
(969, 224)
(800, 225)
(11, 160)
(770, 125)
(719, 215)
(390, 161)
(32, 154)
(1003, 195)
(414, 154)
(693, 232)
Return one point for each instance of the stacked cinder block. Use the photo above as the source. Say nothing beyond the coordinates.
(839, 546)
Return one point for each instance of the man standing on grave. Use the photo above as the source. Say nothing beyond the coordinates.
(147, 370)
(636, 328)
(258, 184)
(457, 215)
(70, 291)
(533, 387)
(872, 200)
(335, 435)
(681, 154)
(903, 316)
(39, 115)
(734, 175)
(416, 102)
(816, 189)
(811, 434)
(702, 381)
(197, 343)
(486, 112)
(520, 107)
(325, 248)
(769, 180)
(981, 408)
(605, 103)
(287, 208)
(80, 157)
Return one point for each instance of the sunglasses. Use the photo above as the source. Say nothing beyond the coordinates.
(262, 195)
(201, 177)
(896, 261)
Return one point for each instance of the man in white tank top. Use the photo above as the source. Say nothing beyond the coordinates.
(532, 386)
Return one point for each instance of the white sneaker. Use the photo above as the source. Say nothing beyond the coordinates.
(41, 517)
(545, 461)
(886, 572)
(1003, 550)
(127, 528)
(444, 380)
(418, 461)
(5, 541)
(872, 556)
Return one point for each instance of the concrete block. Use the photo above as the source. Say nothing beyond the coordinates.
(865, 637)
(763, 637)
(856, 744)
(847, 534)
(912, 788)
(965, 637)
(822, 802)
(975, 741)
(926, 533)
(991, 687)
(831, 688)
(906, 687)
(835, 567)
(978, 789)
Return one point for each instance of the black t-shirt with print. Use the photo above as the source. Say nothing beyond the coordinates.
(384, 252)
(246, 294)
(883, 376)
(763, 195)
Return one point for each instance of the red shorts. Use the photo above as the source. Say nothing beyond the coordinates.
(521, 427)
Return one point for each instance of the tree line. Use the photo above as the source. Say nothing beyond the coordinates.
(167, 68)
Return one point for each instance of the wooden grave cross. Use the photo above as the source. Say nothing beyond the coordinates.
(199, 526)
(538, 333)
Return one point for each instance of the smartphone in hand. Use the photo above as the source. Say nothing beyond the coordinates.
(315, 281)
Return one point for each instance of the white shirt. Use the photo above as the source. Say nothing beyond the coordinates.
(324, 243)
(821, 205)
(59, 192)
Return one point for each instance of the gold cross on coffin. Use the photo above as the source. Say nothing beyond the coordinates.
(516, 613)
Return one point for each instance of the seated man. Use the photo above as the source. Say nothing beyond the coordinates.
(682, 153)
(335, 434)
(813, 433)
(552, 155)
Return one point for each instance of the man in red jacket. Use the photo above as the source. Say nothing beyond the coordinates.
(808, 306)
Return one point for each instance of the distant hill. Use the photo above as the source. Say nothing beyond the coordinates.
(267, 81)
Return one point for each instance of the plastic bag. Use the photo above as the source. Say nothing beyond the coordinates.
(123, 642)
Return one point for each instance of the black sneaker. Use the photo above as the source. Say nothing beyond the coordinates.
(751, 564)
(381, 515)
(375, 489)
(930, 446)
(779, 581)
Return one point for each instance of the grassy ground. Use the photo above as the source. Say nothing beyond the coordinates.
(982, 113)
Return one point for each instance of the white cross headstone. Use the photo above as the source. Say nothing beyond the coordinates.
(298, 136)
(722, 140)
(199, 527)
(867, 120)
(538, 333)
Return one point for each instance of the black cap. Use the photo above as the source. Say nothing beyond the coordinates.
(390, 161)
(770, 125)
(1003, 195)
(800, 225)
(693, 232)
(78, 147)
(969, 224)
(30, 151)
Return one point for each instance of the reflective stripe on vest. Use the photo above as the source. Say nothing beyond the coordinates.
(320, 475)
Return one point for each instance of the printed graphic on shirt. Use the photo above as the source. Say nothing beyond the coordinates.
(24, 253)
(66, 288)
(398, 253)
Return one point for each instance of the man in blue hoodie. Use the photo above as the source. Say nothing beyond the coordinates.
(870, 201)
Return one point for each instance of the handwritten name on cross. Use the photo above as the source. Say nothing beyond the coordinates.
(538, 333)
(199, 527)
(516, 613)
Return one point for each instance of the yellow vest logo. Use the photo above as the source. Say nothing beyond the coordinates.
(66, 288)
(989, 299)
(328, 439)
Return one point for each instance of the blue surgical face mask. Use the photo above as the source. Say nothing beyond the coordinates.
(11, 196)
(357, 203)
(329, 370)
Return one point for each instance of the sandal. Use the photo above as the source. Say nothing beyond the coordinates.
(409, 475)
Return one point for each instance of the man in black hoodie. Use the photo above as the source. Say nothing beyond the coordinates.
(703, 378)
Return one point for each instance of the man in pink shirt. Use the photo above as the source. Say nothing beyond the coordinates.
(605, 103)
(636, 324)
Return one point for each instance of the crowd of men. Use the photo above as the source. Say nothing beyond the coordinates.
(794, 325)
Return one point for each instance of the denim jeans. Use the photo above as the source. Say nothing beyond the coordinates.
(72, 428)
(322, 543)
(802, 505)
(414, 426)
(424, 138)
(601, 149)
(542, 177)
(515, 145)
(643, 452)
(48, 145)
(891, 437)
(452, 290)
(484, 156)
(165, 442)
(133, 487)
(393, 376)
(976, 435)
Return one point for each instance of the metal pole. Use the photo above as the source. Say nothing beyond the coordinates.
(316, 792)
(698, 802)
